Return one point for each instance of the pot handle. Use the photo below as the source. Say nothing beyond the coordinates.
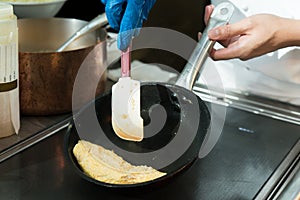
(220, 16)
(95, 23)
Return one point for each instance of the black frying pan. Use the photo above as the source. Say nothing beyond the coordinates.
(175, 120)
(155, 149)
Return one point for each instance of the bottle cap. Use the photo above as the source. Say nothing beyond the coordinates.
(6, 10)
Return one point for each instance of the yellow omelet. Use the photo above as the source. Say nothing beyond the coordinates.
(106, 166)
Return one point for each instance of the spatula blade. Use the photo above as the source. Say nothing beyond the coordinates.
(126, 119)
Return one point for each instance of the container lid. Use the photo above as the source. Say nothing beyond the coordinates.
(6, 10)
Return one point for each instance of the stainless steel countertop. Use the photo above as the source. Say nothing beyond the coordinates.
(30, 125)
(33, 130)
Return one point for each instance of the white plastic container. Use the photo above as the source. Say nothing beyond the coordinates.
(9, 72)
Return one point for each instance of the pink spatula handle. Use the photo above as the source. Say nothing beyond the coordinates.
(125, 62)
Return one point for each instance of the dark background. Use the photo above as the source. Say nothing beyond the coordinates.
(79, 9)
(183, 16)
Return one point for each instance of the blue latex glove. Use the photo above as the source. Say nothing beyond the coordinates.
(127, 17)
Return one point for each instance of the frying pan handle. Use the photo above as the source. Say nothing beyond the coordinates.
(95, 23)
(220, 16)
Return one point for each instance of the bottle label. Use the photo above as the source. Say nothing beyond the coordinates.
(8, 67)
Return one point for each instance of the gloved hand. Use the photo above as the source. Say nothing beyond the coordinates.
(127, 16)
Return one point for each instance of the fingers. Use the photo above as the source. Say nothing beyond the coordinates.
(208, 10)
(146, 8)
(114, 12)
(199, 35)
(131, 20)
(236, 49)
(229, 52)
(228, 31)
(224, 54)
(124, 39)
(135, 14)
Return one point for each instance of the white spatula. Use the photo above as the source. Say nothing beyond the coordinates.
(125, 102)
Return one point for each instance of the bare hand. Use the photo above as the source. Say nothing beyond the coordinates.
(251, 37)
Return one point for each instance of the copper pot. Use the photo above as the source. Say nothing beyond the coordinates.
(47, 77)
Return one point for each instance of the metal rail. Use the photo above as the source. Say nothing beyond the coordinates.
(281, 176)
(245, 103)
(39, 136)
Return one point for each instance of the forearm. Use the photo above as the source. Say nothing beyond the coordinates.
(289, 32)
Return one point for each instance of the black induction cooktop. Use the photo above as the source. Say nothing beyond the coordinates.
(250, 150)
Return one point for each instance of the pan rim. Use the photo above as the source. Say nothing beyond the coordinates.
(164, 178)
(83, 175)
